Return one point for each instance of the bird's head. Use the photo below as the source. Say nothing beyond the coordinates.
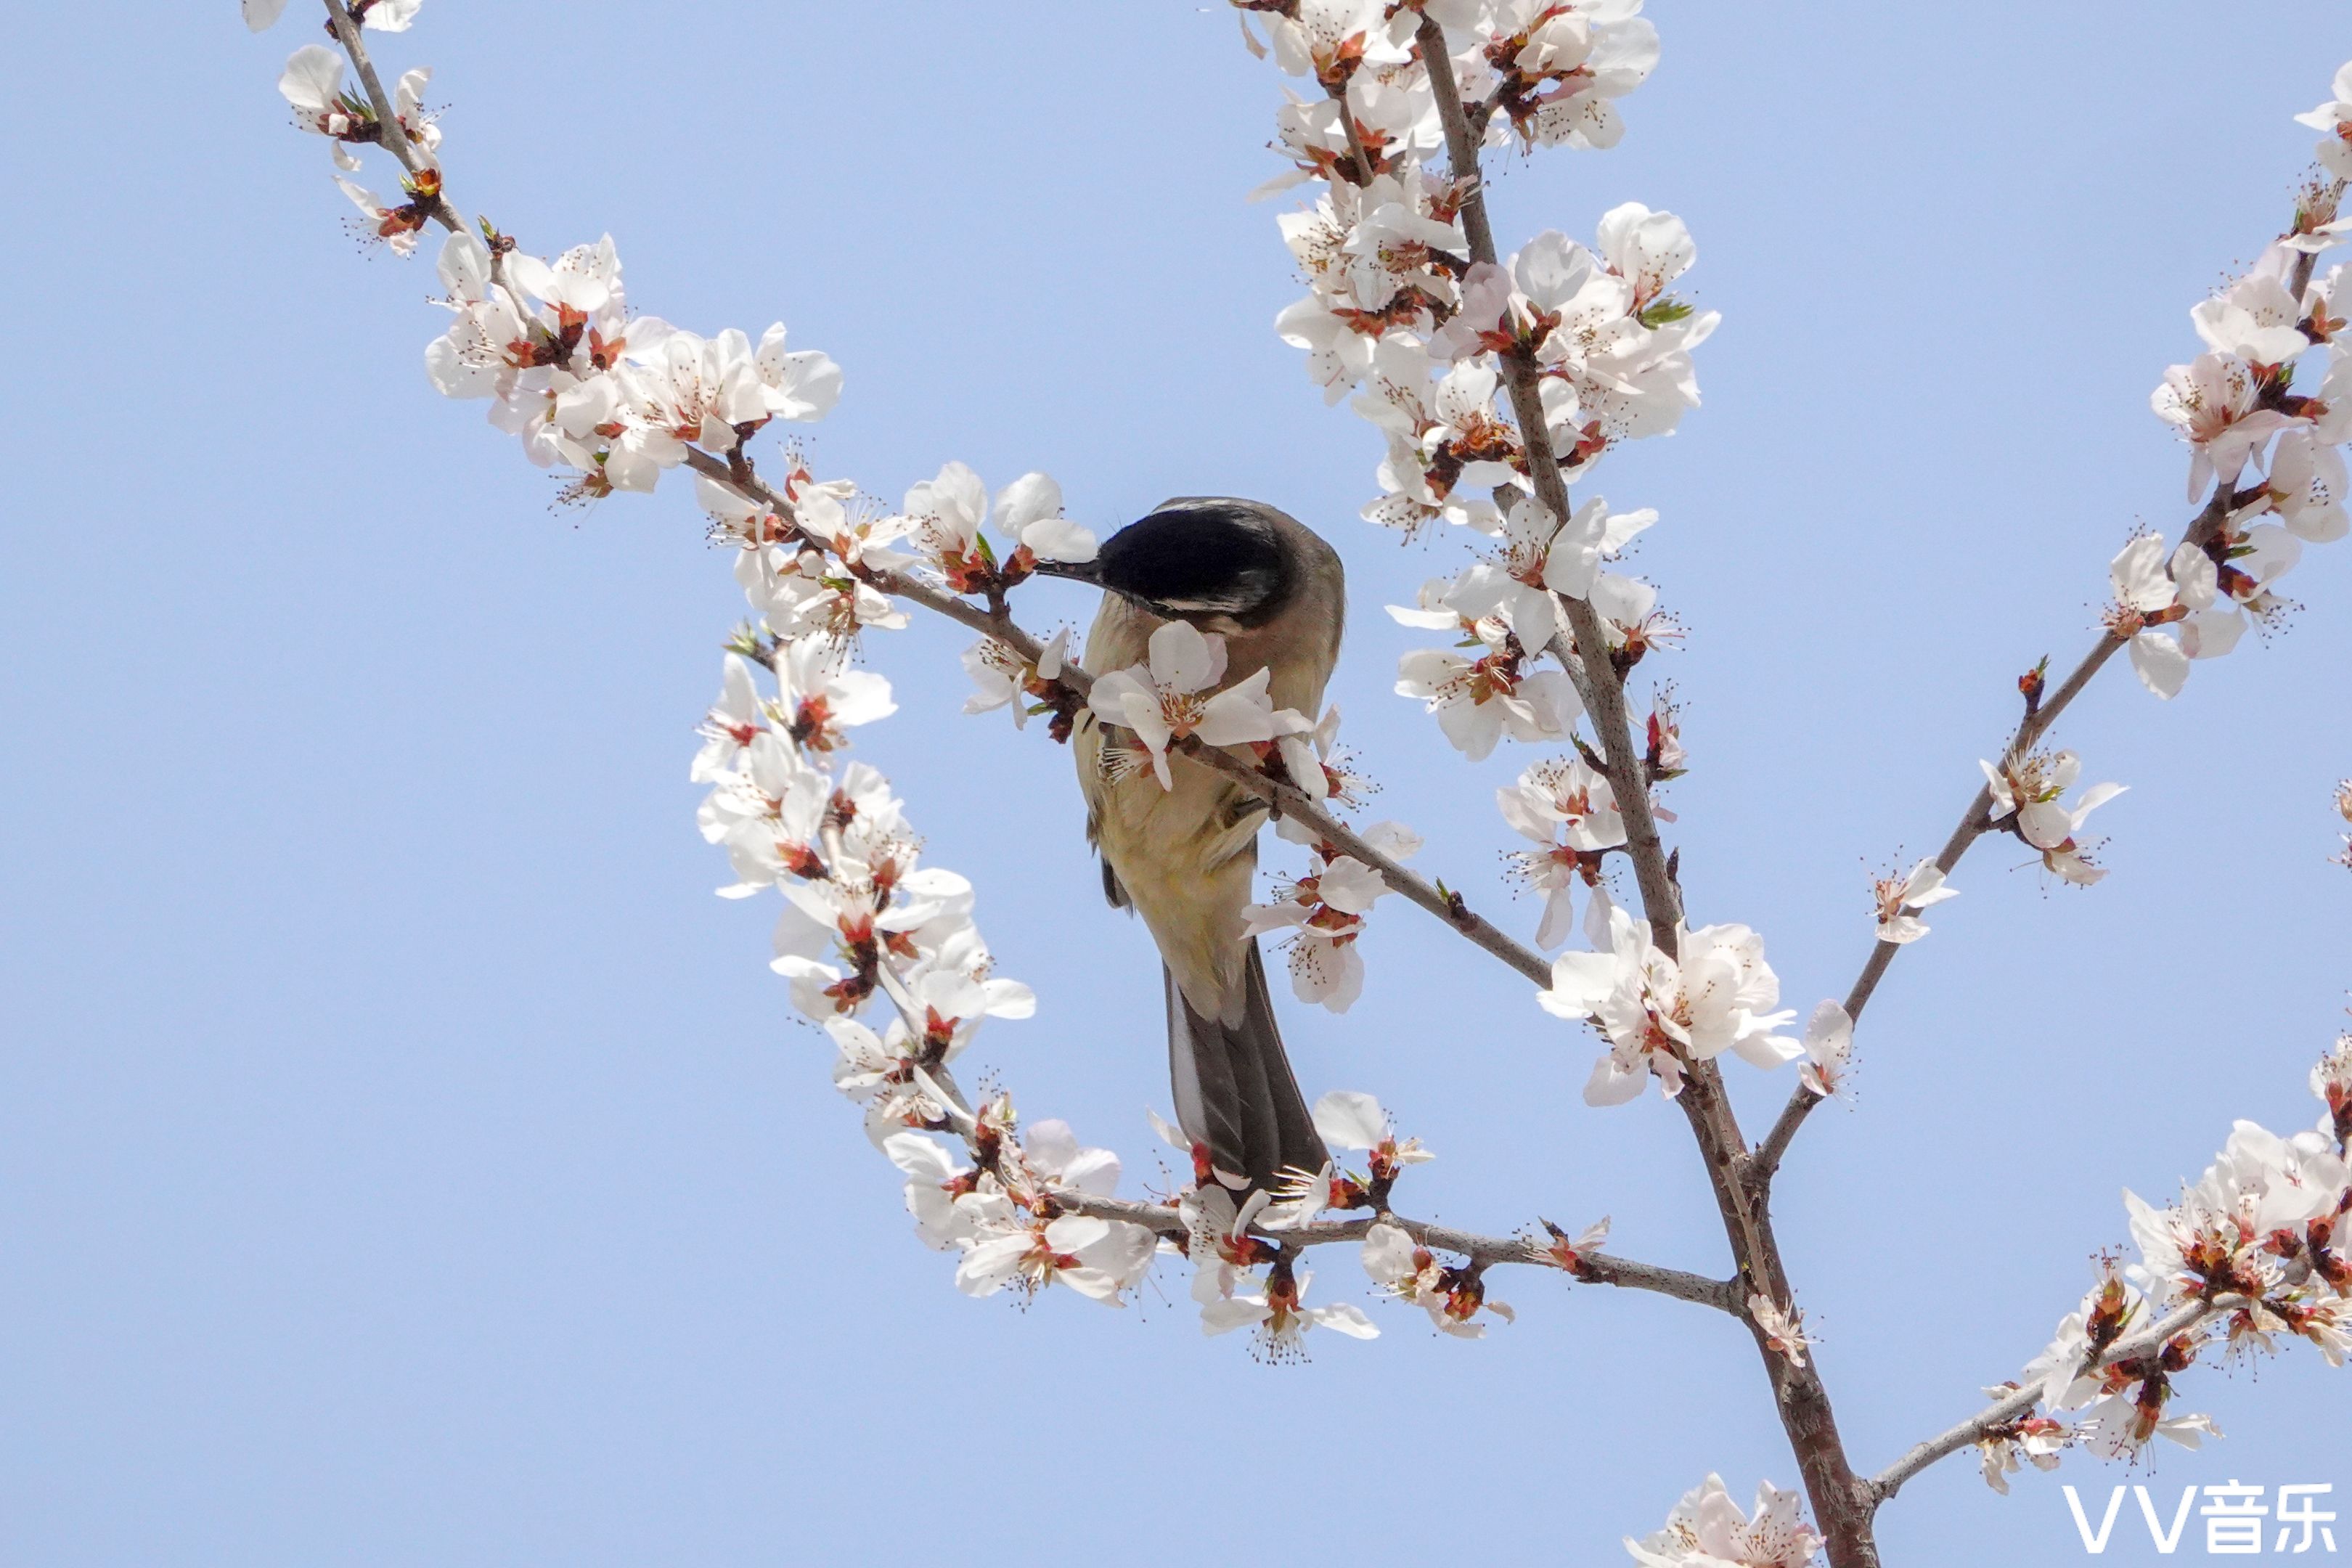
(1213, 561)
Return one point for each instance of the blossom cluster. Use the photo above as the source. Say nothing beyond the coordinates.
(882, 952)
(2254, 1249)
(1398, 306)
(1446, 347)
(1243, 1251)
(2266, 410)
(880, 949)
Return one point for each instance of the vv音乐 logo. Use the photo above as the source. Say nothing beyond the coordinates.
(2238, 1521)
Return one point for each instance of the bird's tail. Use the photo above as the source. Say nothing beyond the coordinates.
(1235, 1090)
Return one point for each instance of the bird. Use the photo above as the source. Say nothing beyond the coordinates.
(1183, 859)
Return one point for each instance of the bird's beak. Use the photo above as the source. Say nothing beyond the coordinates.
(1087, 571)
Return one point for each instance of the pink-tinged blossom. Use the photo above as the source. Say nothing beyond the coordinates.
(1784, 1332)
(1516, 310)
(2307, 487)
(1174, 696)
(1469, 444)
(860, 538)
(2254, 319)
(2214, 402)
(2028, 787)
(2037, 1440)
(1052, 1154)
(1217, 1238)
(1324, 909)
(699, 390)
(1648, 249)
(2121, 1426)
(1332, 39)
(1029, 511)
(1828, 1067)
(768, 815)
(807, 593)
(883, 1073)
(472, 358)
(832, 936)
(1338, 351)
(397, 224)
(312, 86)
(1540, 560)
(2150, 596)
(1322, 768)
(935, 1180)
(1571, 809)
(1478, 701)
(1453, 1296)
(1899, 898)
(2233, 1231)
(1353, 1121)
(1006, 680)
(800, 385)
(818, 699)
(1707, 1529)
(2320, 224)
(1563, 66)
(734, 721)
(1575, 1253)
(1631, 621)
(1009, 1247)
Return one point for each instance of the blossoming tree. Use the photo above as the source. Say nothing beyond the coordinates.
(1498, 383)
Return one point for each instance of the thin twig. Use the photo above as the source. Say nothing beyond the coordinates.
(1355, 137)
(1974, 823)
(1977, 819)
(1597, 1269)
(2017, 1405)
(392, 136)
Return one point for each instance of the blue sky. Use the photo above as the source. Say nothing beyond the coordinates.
(404, 1159)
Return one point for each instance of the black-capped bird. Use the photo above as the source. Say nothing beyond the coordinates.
(1183, 859)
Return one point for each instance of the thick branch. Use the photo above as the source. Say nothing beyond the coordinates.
(1798, 1393)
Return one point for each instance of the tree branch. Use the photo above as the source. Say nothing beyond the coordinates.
(1597, 1269)
(1798, 1394)
(1974, 823)
(392, 136)
(2018, 1406)
(1978, 820)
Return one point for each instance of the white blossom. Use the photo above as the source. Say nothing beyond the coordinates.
(1707, 1529)
(1656, 1011)
(1174, 696)
(1898, 896)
